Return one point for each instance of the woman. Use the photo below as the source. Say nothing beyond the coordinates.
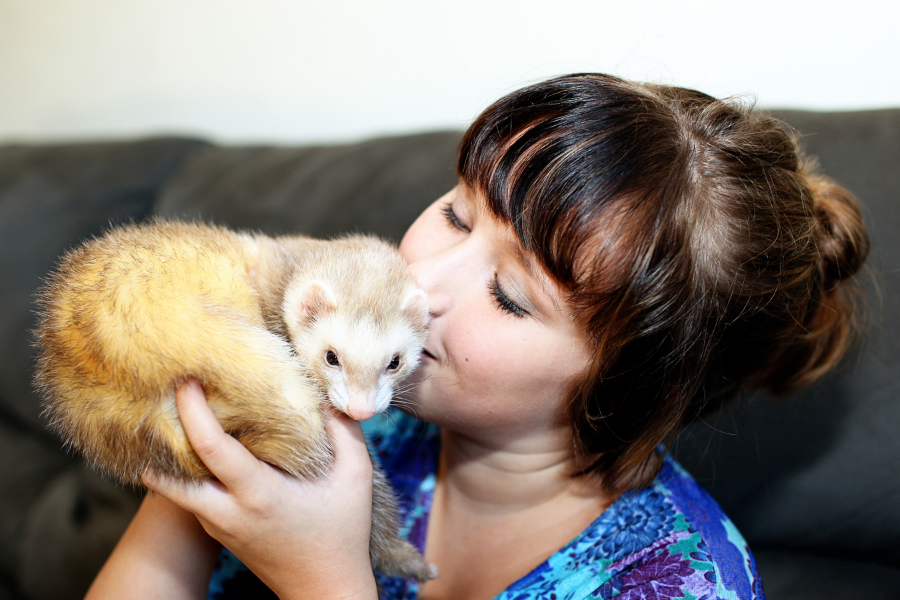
(617, 260)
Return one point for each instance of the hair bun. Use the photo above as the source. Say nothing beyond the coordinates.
(832, 321)
(842, 239)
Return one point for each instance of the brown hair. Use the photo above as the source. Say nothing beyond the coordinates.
(699, 249)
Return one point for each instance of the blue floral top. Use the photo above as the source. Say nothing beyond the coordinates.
(668, 540)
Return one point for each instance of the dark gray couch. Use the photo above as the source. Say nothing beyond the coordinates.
(812, 481)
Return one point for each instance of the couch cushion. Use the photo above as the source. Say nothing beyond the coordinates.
(378, 186)
(809, 577)
(52, 197)
(55, 518)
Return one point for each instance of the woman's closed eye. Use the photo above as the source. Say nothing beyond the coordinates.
(453, 219)
(496, 290)
(503, 300)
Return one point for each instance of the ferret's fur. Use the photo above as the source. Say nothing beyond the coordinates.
(258, 321)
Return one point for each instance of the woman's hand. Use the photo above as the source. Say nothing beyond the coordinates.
(301, 538)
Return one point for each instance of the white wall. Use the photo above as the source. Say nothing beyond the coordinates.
(292, 71)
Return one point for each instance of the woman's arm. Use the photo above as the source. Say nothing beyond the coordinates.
(164, 553)
(304, 539)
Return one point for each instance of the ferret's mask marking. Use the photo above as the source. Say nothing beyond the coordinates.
(357, 361)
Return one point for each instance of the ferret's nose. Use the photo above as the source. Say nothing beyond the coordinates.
(361, 405)
(361, 413)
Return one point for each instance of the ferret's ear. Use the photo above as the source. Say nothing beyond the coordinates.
(415, 306)
(309, 300)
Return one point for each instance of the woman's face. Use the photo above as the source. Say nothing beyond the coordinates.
(503, 349)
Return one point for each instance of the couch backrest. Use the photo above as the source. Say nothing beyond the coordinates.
(378, 186)
(817, 472)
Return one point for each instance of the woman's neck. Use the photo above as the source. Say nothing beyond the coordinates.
(512, 477)
(498, 512)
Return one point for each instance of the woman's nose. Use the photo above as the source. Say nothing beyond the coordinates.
(444, 272)
(427, 273)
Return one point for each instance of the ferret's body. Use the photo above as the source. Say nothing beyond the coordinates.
(259, 321)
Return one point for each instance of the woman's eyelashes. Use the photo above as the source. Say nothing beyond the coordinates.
(452, 219)
(503, 300)
(500, 297)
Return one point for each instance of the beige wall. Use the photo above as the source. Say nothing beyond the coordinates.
(279, 70)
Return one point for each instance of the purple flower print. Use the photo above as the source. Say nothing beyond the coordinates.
(658, 577)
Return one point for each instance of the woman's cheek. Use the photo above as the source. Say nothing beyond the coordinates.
(488, 356)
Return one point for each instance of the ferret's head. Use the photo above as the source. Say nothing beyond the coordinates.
(358, 349)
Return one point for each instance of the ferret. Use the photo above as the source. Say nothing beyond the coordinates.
(270, 327)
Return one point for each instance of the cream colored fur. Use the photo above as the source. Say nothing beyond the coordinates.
(128, 315)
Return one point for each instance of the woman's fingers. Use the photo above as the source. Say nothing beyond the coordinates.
(346, 435)
(226, 458)
(291, 532)
(234, 468)
(191, 496)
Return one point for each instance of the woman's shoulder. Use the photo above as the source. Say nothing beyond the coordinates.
(721, 551)
(667, 540)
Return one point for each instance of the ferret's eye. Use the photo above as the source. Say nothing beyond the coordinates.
(394, 364)
(332, 359)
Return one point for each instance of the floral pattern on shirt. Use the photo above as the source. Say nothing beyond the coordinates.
(667, 540)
